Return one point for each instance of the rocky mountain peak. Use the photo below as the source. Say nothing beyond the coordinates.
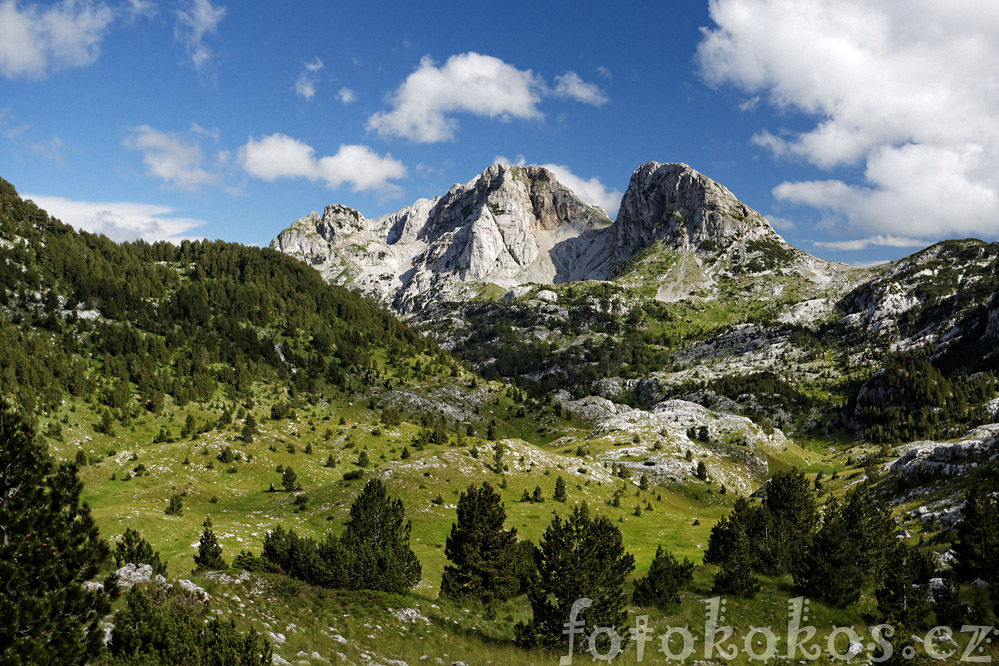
(674, 204)
(514, 225)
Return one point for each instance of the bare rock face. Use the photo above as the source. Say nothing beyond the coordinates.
(674, 204)
(511, 226)
(508, 226)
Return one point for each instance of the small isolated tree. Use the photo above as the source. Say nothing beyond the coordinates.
(661, 587)
(701, 471)
(175, 506)
(209, 555)
(133, 548)
(482, 553)
(289, 479)
(49, 546)
(375, 544)
(249, 429)
(537, 495)
(579, 557)
(559, 495)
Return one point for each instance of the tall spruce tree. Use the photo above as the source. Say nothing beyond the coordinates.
(579, 557)
(482, 553)
(786, 522)
(849, 551)
(736, 574)
(977, 543)
(375, 545)
(49, 546)
(727, 529)
(903, 598)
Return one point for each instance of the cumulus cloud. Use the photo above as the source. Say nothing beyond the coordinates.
(591, 190)
(346, 96)
(571, 86)
(305, 84)
(177, 160)
(470, 82)
(281, 156)
(196, 20)
(910, 90)
(36, 41)
(120, 221)
(881, 240)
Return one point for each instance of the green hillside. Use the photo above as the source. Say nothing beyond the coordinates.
(185, 381)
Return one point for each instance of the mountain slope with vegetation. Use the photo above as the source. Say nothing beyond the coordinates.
(221, 398)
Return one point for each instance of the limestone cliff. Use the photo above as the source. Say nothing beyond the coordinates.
(511, 226)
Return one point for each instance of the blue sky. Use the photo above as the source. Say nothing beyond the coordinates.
(862, 130)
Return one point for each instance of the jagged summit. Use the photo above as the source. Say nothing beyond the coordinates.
(684, 208)
(513, 225)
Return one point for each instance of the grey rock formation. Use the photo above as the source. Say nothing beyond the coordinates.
(512, 226)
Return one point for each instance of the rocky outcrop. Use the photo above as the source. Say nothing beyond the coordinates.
(508, 226)
(927, 459)
(685, 210)
(512, 226)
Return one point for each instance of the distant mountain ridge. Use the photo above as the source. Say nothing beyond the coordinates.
(511, 226)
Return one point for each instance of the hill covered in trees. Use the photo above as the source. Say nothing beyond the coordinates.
(335, 482)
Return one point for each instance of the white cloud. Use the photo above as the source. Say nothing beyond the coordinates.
(141, 9)
(780, 223)
(198, 19)
(604, 72)
(880, 240)
(119, 221)
(591, 191)
(281, 156)
(176, 160)
(305, 84)
(51, 150)
(470, 82)
(346, 96)
(36, 41)
(571, 86)
(910, 90)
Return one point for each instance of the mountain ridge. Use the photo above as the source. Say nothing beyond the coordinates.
(511, 226)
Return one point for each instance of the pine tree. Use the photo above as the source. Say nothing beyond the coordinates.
(661, 587)
(786, 524)
(209, 555)
(903, 595)
(579, 557)
(736, 575)
(160, 625)
(289, 479)
(559, 495)
(726, 530)
(977, 543)
(375, 544)
(483, 554)
(133, 548)
(49, 545)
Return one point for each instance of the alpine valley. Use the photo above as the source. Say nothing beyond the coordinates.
(680, 377)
